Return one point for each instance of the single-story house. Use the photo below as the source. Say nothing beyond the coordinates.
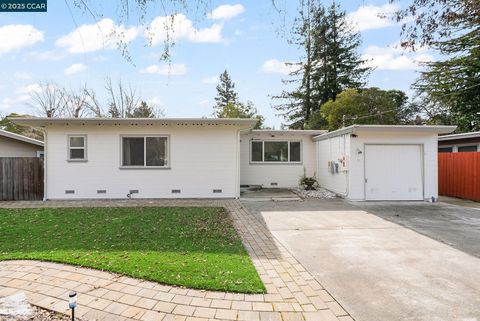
(464, 142)
(15, 145)
(211, 158)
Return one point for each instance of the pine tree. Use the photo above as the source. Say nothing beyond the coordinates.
(453, 85)
(143, 111)
(331, 63)
(341, 66)
(297, 105)
(225, 93)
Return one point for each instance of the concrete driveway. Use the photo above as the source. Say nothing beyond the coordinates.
(375, 268)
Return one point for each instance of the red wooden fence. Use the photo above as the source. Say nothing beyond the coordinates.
(459, 175)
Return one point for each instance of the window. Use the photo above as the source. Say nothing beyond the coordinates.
(77, 148)
(257, 151)
(445, 149)
(145, 151)
(275, 152)
(467, 148)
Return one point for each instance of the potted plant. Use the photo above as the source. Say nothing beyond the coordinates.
(308, 183)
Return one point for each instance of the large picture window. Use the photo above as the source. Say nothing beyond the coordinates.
(275, 152)
(145, 151)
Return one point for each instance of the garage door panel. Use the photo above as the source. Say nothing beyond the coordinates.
(393, 172)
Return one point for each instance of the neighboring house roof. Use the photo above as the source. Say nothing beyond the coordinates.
(288, 131)
(459, 136)
(22, 138)
(387, 128)
(42, 122)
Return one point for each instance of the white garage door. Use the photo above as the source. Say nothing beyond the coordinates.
(393, 172)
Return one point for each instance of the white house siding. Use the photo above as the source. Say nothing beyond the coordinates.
(329, 150)
(284, 175)
(428, 141)
(202, 158)
(15, 148)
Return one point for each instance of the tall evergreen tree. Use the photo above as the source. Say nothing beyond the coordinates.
(331, 62)
(342, 66)
(453, 85)
(225, 93)
(297, 105)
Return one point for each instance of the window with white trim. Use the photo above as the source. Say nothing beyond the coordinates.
(144, 151)
(275, 151)
(467, 148)
(77, 147)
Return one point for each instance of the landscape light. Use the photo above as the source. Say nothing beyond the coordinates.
(72, 303)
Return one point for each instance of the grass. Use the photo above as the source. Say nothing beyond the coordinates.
(192, 247)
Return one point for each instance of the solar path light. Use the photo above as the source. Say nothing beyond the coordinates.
(72, 303)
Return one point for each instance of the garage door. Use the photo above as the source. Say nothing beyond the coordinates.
(393, 172)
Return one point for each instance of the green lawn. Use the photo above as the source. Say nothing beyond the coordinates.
(192, 247)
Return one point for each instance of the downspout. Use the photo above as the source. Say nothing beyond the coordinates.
(239, 146)
(45, 156)
(349, 160)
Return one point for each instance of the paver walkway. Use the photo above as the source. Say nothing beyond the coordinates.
(292, 293)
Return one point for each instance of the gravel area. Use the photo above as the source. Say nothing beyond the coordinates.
(39, 315)
(318, 193)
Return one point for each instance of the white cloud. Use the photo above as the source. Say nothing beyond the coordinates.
(393, 58)
(210, 80)
(22, 75)
(102, 35)
(166, 69)
(14, 37)
(274, 66)
(75, 68)
(29, 89)
(226, 11)
(21, 96)
(179, 27)
(368, 17)
(155, 101)
(7, 103)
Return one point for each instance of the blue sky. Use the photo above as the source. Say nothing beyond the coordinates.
(71, 48)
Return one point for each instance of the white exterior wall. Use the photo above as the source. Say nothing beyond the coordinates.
(284, 174)
(357, 165)
(202, 158)
(15, 148)
(328, 150)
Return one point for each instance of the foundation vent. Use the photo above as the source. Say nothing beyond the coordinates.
(133, 191)
(176, 191)
(273, 184)
(101, 191)
(69, 191)
(217, 191)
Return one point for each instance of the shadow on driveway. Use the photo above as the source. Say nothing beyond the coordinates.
(454, 225)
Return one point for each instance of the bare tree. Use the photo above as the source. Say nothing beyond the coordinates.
(122, 100)
(49, 100)
(77, 103)
(93, 104)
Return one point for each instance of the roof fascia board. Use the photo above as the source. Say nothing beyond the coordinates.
(386, 128)
(21, 138)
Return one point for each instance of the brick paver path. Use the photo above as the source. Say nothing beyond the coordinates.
(292, 293)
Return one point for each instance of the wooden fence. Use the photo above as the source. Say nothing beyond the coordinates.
(21, 178)
(459, 175)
